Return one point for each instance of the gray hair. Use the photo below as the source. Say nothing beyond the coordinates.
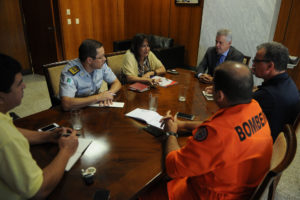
(225, 32)
(277, 53)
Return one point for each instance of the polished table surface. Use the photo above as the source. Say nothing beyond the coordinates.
(126, 157)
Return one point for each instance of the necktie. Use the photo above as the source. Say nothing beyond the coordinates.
(221, 60)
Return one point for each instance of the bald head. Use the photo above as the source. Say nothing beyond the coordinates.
(235, 81)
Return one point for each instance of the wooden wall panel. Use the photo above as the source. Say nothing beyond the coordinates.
(292, 39)
(282, 21)
(108, 21)
(73, 34)
(12, 37)
(288, 26)
(185, 26)
(147, 16)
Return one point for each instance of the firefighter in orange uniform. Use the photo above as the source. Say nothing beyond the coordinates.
(227, 155)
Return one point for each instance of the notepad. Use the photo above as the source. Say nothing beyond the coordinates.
(149, 116)
(113, 105)
(83, 144)
(139, 87)
(208, 97)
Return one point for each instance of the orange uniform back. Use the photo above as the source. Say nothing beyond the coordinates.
(226, 158)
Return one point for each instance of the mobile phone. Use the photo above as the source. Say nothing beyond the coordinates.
(185, 116)
(172, 71)
(102, 194)
(156, 132)
(49, 127)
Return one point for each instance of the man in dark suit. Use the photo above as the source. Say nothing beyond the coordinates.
(222, 51)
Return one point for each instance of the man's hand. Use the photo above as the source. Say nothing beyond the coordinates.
(169, 122)
(206, 78)
(209, 90)
(105, 98)
(56, 133)
(69, 143)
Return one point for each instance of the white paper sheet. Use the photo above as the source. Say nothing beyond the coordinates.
(113, 105)
(83, 143)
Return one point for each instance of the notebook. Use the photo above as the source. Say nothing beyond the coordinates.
(139, 87)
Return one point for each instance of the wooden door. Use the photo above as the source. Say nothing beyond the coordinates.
(40, 31)
(12, 39)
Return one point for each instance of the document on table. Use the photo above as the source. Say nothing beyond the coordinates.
(208, 97)
(83, 144)
(164, 82)
(113, 105)
(149, 116)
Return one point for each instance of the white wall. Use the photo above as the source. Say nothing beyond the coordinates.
(252, 22)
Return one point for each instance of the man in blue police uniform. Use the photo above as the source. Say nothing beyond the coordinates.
(278, 95)
(214, 56)
(81, 79)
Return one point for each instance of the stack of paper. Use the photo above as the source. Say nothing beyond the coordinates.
(149, 116)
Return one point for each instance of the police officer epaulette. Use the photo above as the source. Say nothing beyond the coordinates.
(201, 134)
(74, 70)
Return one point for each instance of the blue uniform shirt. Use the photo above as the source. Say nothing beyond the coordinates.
(75, 81)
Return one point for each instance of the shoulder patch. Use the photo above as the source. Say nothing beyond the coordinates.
(201, 134)
(74, 70)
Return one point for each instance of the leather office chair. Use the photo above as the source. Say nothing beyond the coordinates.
(284, 150)
(115, 61)
(52, 73)
(246, 60)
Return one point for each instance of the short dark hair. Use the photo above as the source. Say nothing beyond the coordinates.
(9, 67)
(277, 53)
(137, 42)
(88, 48)
(236, 86)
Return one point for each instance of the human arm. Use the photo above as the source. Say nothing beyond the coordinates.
(202, 66)
(171, 123)
(159, 71)
(69, 103)
(55, 170)
(206, 78)
(36, 137)
(195, 158)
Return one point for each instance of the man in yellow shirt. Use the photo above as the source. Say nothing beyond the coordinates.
(20, 176)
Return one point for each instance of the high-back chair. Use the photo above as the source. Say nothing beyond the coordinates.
(246, 60)
(115, 61)
(52, 73)
(284, 150)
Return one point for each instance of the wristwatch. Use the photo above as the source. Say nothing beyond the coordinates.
(171, 133)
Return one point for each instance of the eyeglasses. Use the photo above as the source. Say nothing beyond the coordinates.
(262, 60)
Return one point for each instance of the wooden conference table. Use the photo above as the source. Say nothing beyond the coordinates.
(126, 157)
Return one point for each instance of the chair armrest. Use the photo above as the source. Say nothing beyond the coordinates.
(121, 45)
(171, 57)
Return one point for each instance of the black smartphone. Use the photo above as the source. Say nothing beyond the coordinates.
(185, 116)
(102, 194)
(156, 132)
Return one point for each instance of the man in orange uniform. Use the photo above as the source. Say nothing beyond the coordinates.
(227, 155)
